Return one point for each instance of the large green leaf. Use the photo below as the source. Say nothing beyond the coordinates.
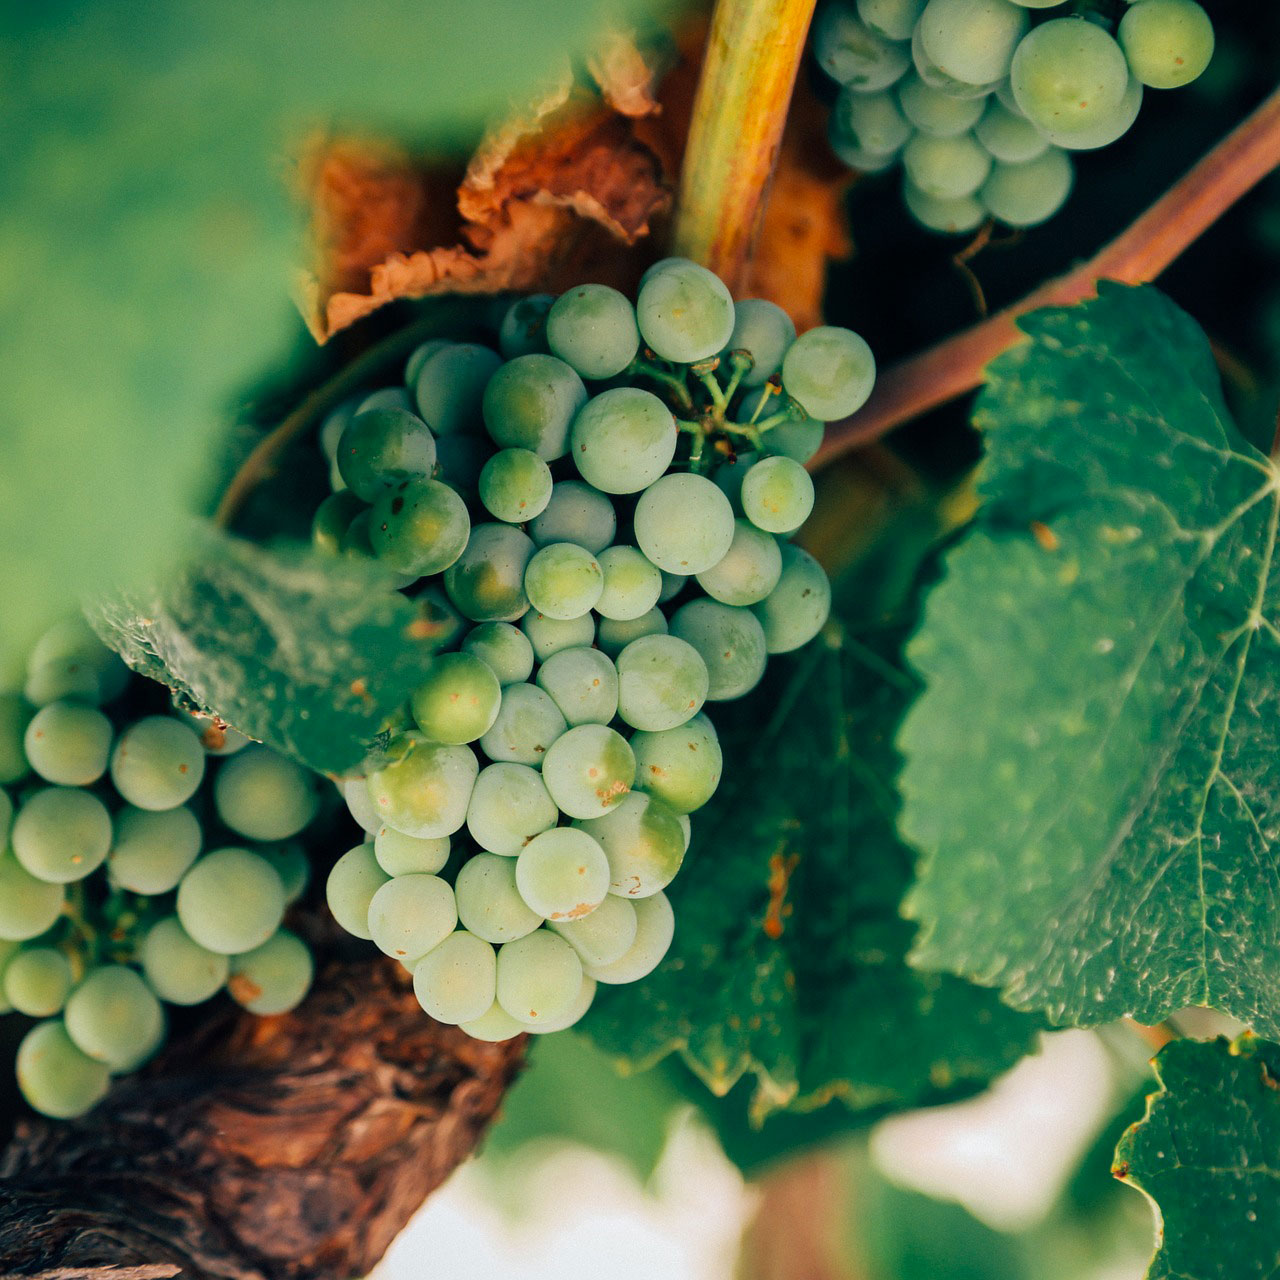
(801, 836)
(1093, 768)
(306, 652)
(1206, 1154)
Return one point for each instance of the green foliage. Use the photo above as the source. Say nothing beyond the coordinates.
(1205, 1155)
(307, 653)
(1090, 771)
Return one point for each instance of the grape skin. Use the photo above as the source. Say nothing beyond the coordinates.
(972, 40)
(28, 906)
(604, 935)
(576, 513)
(458, 700)
(875, 124)
(528, 725)
(729, 640)
(632, 584)
(830, 371)
(662, 682)
(583, 683)
(56, 1077)
(486, 582)
(489, 901)
(796, 609)
(158, 763)
(593, 329)
(151, 852)
(1168, 43)
(505, 649)
(457, 980)
(681, 766)
(563, 581)
(420, 528)
(623, 439)
(515, 485)
(643, 843)
(530, 402)
(425, 787)
(614, 635)
(398, 854)
(274, 977)
(61, 834)
(523, 330)
(114, 1017)
(177, 968)
(936, 112)
(68, 743)
(1024, 195)
(944, 168)
(563, 874)
(750, 568)
(549, 636)
(452, 384)
(852, 54)
(354, 879)
(37, 981)
(683, 523)
(408, 915)
(539, 978)
(382, 449)
(231, 901)
(263, 796)
(685, 313)
(1068, 75)
(777, 495)
(588, 770)
(509, 807)
(655, 929)
(764, 331)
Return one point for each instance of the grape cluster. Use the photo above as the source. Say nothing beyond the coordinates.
(109, 903)
(983, 100)
(602, 513)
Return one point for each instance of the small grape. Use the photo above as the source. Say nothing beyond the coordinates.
(457, 980)
(28, 907)
(593, 329)
(643, 842)
(529, 404)
(539, 977)
(515, 485)
(603, 936)
(563, 581)
(936, 78)
(874, 123)
(1009, 137)
(504, 649)
(588, 770)
(684, 523)
(486, 583)
(177, 968)
(936, 112)
(777, 495)
(489, 901)
(383, 449)
(37, 981)
(114, 1016)
(458, 699)
(583, 683)
(614, 635)
(386, 398)
(494, 1026)
(523, 331)
(262, 795)
(355, 791)
(57, 1078)
(764, 331)
(509, 806)
(850, 154)
(623, 439)
(685, 313)
(852, 54)
(401, 855)
(68, 743)
(1026, 194)
(62, 834)
(151, 852)
(1068, 75)
(528, 724)
(750, 568)
(796, 609)
(944, 168)
(1168, 43)
(1105, 129)
(231, 901)
(274, 977)
(893, 19)
(972, 40)
(69, 661)
(353, 880)
(419, 357)
(574, 1013)
(576, 513)
(551, 635)
(655, 928)
(158, 763)
(424, 788)
(830, 371)
(680, 766)
(411, 914)
(948, 217)
(420, 528)
(662, 682)
(730, 642)
(451, 387)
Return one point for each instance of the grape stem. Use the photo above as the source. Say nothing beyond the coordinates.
(1139, 254)
(748, 73)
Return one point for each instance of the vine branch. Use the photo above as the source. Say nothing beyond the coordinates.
(1139, 254)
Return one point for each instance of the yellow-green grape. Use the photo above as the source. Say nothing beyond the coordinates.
(274, 977)
(68, 743)
(681, 766)
(1168, 43)
(61, 834)
(458, 700)
(400, 855)
(588, 770)
(457, 980)
(263, 796)
(114, 1016)
(425, 787)
(643, 842)
(655, 928)
(539, 977)
(563, 874)
(489, 901)
(57, 1078)
(231, 901)
(354, 879)
(603, 936)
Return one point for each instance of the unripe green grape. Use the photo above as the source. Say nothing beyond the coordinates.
(231, 901)
(893, 19)
(262, 795)
(438, 620)
(1106, 129)
(37, 981)
(539, 977)
(177, 968)
(489, 901)
(935, 112)
(151, 852)
(451, 386)
(730, 473)
(419, 529)
(563, 581)
(355, 791)
(576, 513)
(936, 78)
(852, 155)
(972, 40)
(57, 1078)
(528, 724)
(523, 331)
(114, 1016)
(947, 217)
(386, 398)
(486, 583)
(529, 404)
(829, 371)
(458, 699)
(349, 890)
(1168, 43)
(69, 661)
(685, 313)
(588, 770)
(613, 635)
(563, 874)
(623, 439)
(603, 936)
(419, 357)
(1009, 137)
(425, 787)
(548, 636)
(15, 714)
(632, 583)
(158, 763)
(504, 649)
(457, 980)
(333, 425)
(777, 495)
(68, 743)
(730, 642)
(495, 1025)
(515, 485)
(796, 609)
(401, 855)
(852, 54)
(945, 168)
(875, 124)
(680, 766)
(662, 682)
(383, 449)
(643, 842)
(684, 523)
(764, 331)
(749, 570)
(1023, 195)
(509, 806)
(593, 329)
(655, 928)
(28, 906)
(62, 834)
(583, 683)
(1068, 75)
(573, 1014)
(274, 977)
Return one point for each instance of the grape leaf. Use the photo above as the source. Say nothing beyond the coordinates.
(1205, 1154)
(307, 653)
(1091, 769)
(788, 959)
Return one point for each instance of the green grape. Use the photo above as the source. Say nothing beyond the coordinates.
(411, 914)
(14, 717)
(662, 682)
(854, 156)
(425, 787)
(684, 523)
(515, 485)
(274, 977)
(729, 640)
(401, 855)
(6, 818)
(893, 19)
(349, 890)
(777, 495)
(796, 609)
(262, 795)
(948, 217)
(419, 357)
(523, 331)
(623, 439)
(1103, 131)
(489, 902)
(151, 852)
(680, 766)
(494, 1026)
(936, 78)
(563, 581)
(451, 386)
(457, 700)
(576, 513)
(936, 112)
(613, 635)
(657, 267)
(764, 331)
(644, 844)
(603, 936)
(458, 979)
(749, 570)
(528, 723)
(290, 862)
(37, 981)
(61, 834)
(1026, 194)
(632, 584)
(28, 907)
(357, 543)
(593, 329)
(972, 40)
(539, 977)
(852, 54)
(486, 583)
(504, 649)
(575, 1012)
(685, 313)
(549, 635)
(386, 398)
(529, 404)
(830, 371)
(69, 661)
(177, 968)
(686, 829)
(583, 683)
(944, 168)
(56, 1078)
(655, 928)
(588, 770)
(873, 122)
(382, 449)
(1009, 137)
(114, 1016)
(459, 461)
(509, 806)
(355, 791)
(419, 529)
(158, 763)
(1068, 75)
(216, 736)
(333, 425)
(1168, 43)
(68, 743)
(231, 901)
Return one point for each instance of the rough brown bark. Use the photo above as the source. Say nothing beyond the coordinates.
(258, 1148)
